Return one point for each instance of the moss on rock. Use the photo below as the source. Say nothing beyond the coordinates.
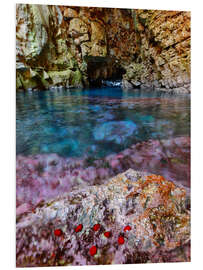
(76, 80)
(60, 77)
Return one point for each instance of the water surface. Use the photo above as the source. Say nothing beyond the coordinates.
(96, 122)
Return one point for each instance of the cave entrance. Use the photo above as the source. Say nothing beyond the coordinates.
(101, 68)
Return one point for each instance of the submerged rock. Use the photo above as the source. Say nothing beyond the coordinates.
(46, 176)
(154, 210)
(114, 131)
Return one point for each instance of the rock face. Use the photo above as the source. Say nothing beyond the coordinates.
(73, 46)
(134, 218)
(163, 61)
(43, 57)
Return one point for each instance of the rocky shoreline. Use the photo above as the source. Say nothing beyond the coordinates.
(170, 86)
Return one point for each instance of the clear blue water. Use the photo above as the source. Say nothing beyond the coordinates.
(96, 122)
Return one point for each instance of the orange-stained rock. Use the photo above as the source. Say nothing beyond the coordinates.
(70, 13)
(164, 49)
(152, 46)
(154, 210)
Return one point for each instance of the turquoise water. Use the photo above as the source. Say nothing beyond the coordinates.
(96, 122)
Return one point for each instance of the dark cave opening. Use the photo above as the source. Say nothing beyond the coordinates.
(101, 69)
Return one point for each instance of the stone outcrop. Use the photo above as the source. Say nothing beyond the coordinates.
(43, 57)
(134, 218)
(163, 61)
(75, 46)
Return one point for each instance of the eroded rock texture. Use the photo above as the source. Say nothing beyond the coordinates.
(62, 232)
(44, 56)
(163, 60)
(77, 46)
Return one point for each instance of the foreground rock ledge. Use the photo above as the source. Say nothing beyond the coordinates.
(156, 210)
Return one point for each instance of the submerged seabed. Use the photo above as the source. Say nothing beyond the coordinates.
(46, 176)
(67, 142)
(70, 138)
(96, 123)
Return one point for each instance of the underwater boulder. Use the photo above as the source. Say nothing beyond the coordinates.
(114, 131)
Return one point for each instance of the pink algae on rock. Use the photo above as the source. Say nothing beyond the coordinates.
(156, 209)
(45, 176)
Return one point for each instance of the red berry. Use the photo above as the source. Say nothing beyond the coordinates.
(121, 240)
(53, 255)
(127, 228)
(107, 234)
(96, 227)
(58, 232)
(79, 228)
(93, 250)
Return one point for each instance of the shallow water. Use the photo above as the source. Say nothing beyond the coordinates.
(96, 122)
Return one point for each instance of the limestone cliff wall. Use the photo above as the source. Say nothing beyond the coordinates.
(73, 46)
(163, 60)
(44, 56)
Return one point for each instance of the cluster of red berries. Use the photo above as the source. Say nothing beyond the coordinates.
(96, 227)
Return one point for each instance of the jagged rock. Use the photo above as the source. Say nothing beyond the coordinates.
(136, 83)
(31, 38)
(70, 13)
(98, 32)
(81, 39)
(59, 77)
(164, 46)
(126, 85)
(149, 45)
(155, 211)
(77, 26)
